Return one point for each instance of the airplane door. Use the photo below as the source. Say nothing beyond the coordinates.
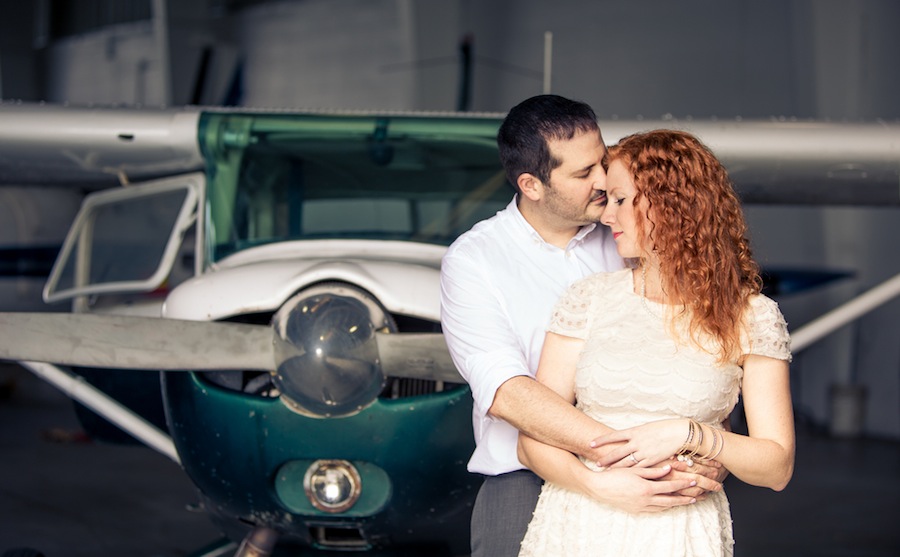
(126, 239)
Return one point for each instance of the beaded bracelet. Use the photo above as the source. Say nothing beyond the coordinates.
(696, 449)
(718, 440)
(721, 446)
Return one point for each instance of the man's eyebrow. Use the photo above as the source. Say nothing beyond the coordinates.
(586, 168)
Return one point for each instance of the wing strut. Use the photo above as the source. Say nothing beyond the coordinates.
(77, 388)
(844, 314)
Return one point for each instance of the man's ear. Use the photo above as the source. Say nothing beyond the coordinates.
(530, 186)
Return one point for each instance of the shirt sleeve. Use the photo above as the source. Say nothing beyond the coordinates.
(477, 330)
(768, 332)
(571, 315)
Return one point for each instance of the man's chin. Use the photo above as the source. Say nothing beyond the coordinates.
(592, 216)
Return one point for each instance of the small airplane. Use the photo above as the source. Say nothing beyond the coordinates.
(255, 293)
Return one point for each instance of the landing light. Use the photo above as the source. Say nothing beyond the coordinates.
(332, 485)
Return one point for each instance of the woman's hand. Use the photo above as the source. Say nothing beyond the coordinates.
(644, 445)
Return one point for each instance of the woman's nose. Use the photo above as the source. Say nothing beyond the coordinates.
(608, 216)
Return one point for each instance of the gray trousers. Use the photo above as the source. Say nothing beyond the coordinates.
(502, 511)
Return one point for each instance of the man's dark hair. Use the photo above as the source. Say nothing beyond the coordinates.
(528, 127)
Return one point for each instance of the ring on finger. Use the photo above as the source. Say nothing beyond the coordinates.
(633, 459)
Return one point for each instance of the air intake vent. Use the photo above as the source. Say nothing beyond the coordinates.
(403, 387)
(333, 537)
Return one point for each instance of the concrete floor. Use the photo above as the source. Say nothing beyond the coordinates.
(69, 497)
(843, 501)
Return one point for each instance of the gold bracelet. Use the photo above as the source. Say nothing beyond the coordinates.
(687, 441)
(712, 449)
(721, 446)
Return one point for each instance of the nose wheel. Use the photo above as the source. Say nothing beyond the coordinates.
(260, 542)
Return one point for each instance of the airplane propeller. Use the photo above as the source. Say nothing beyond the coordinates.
(322, 367)
(134, 343)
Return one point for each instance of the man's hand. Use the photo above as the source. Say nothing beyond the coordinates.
(708, 475)
(640, 489)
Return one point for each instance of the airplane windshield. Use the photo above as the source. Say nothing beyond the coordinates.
(274, 178)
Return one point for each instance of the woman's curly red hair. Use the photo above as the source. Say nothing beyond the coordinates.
(697, 229)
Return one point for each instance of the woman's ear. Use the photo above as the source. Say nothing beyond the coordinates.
(530, 186)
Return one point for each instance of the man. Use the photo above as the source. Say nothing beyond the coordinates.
(499, 283)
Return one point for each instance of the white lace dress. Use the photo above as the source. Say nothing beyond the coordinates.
(631, 372)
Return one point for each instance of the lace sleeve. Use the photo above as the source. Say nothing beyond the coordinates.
(571, 315)
(768, 330)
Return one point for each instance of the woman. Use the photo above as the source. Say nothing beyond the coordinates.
(661, 351)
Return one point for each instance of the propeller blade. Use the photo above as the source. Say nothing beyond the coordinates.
(417, 356)
(130, 342)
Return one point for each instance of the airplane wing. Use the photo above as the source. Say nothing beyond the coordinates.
(778, 160)
(94, 148)
(796, 162)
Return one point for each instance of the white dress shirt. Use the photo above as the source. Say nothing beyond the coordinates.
(499, 284)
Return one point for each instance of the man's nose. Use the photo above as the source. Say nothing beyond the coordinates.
(600, 179)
